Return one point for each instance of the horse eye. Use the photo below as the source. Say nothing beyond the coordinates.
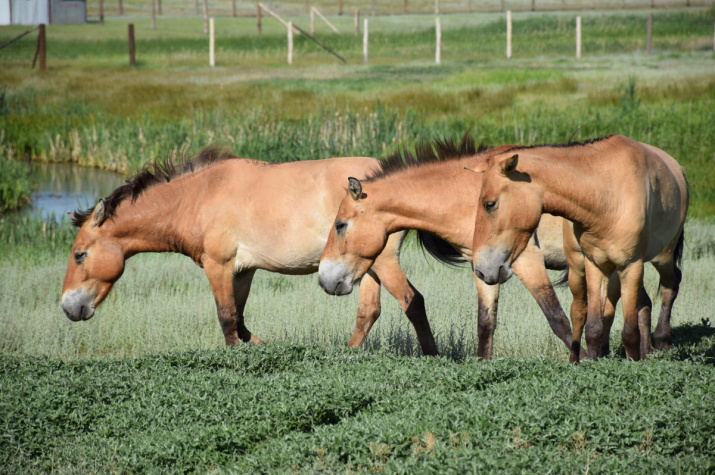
(340, 227)
(80, 256)
(490, 206)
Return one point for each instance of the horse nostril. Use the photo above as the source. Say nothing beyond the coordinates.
(67, 314)
(480, 275)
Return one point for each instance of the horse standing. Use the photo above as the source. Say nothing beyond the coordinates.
(627, 201)
(431, 192)
(231, 217)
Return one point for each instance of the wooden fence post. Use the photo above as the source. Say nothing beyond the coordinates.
(233, 8)
(508, 34)
(101, 12)
(258, 17)
(212, 43)
(41, 47)
(132, 51)
(357, 22)
(340, 7)
(436, 7)
(159, 5)
(121, 8)
(438, 34)
(290, 42)
(649, 34)
(501, 5)
(364, 41)
(405, 9)
(533, 5)
(153, 14)
(578, 37)
(206, 17)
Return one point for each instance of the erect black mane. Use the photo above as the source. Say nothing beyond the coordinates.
(425, 153)
(152, 174)
(559, 145)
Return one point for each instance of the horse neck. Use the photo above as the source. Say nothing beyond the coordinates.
(570, 186)
(150, 224)
(435, 198)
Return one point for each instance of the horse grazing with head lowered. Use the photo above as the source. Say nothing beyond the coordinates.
(431, 192)
(627, 202)
(231, 217)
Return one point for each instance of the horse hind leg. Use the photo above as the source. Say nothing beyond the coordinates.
(670, 277)
(609, 312)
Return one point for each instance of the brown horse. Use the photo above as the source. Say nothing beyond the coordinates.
(232, 217)
(627, 201)
(432, 194)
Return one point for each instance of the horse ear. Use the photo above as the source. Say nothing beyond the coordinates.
(98, 214)
(355, 188)
(509, 165)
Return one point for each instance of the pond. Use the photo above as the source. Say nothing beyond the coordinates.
(64, 187)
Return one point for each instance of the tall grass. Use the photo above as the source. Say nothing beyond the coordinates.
(163, 303)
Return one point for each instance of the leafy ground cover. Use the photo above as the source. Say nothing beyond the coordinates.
(296, 408)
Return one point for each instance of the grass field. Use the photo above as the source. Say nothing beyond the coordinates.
(147, 385)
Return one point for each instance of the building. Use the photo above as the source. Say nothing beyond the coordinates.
(49, 12)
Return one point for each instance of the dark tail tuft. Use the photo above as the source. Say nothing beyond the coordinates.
(563, 280)
(440, 249)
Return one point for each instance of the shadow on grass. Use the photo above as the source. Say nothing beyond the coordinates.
(691, 342)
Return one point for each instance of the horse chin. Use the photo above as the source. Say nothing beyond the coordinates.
(78, 305)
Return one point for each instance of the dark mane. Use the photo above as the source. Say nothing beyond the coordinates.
(560, 145)
(152, 174)
(426, 153)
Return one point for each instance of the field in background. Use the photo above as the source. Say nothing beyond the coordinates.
(147, 386)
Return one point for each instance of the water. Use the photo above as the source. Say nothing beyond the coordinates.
(65, 187)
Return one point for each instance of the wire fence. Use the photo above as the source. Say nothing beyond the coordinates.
(22, 49)
(219, 8)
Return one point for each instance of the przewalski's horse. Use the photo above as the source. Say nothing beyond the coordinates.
(232, 217)
(434, 195)
(627, 201)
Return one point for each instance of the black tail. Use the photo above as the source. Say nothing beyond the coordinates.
(563, 280)
(678, 254)
(440, 249)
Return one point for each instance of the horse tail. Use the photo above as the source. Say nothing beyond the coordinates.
(440, 249)
(563, 280)
(678, 253)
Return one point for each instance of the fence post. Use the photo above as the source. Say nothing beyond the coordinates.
(578, 37)
(364, 41)
(438, 34)
(41, 46)
(290, 42)
(101, 12)
(206, 17)
(372, 7)
(159, 5)
(357, 22)
(508, 34)
(533, 5)
(649, 34)
(406, 7)
(153, 14)
(340, 7)
(436, 7)
(132, 51)
(258, 17)
(233, 8)
(121, 8)
(212, 43)
(501, 5)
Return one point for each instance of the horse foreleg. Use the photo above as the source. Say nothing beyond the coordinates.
(631, 282)
(487, 306)
(230, 293)
(388, 270)
(529, 267)
(368, 310)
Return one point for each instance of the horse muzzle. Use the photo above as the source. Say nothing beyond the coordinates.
(334, 278)
(492, 266)
(78, 305)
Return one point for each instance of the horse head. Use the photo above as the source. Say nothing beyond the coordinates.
(508, 213)
(95, 263)
(354, 242)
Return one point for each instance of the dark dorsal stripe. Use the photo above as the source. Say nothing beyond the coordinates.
(153, 173)
(560, 145)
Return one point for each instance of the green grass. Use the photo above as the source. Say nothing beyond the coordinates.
(306, 409)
